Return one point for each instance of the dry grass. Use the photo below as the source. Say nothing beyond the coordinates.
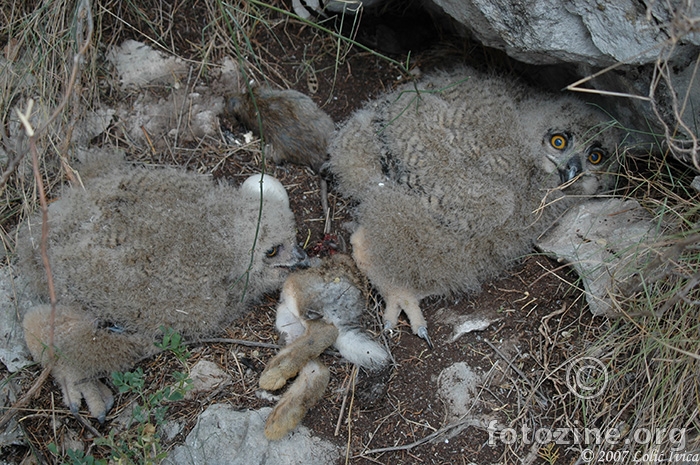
(652, 351)
(37, 65)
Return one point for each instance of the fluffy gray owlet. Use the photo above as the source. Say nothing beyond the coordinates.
(141, 249)
(296, 130)
(449, 175)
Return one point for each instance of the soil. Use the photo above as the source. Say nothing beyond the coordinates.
(392, 417)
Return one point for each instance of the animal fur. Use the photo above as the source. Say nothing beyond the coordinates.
(449, 180)
(296, 130)
(141, 249)
(319, 307)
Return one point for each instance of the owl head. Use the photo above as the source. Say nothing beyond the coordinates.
(267, 223)
(579, 151)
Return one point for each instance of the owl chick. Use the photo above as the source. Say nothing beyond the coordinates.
(139, 250)
(319, 307)
(450, 173)
(294, 127)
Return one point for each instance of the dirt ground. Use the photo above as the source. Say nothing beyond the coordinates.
(395, 417)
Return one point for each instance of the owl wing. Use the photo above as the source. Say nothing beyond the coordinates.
(142, 245)
(438, 150)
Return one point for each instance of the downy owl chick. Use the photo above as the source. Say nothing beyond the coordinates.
(319, 307)
(296, 130)
(142, 249)
(449, 177)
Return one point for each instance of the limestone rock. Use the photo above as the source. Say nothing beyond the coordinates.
(575, 31)
(458, 389)
(226, 436)
(207, 376)
(606, 242)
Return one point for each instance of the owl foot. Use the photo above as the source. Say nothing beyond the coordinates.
(98, 397)
(389, 327)
(405, 300)
(421, 332)
(83, 353)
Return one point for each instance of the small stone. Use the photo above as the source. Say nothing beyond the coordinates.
(696, 183)
(207, 376)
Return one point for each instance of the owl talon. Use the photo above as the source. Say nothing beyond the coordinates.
(389, 329)
(423, 333)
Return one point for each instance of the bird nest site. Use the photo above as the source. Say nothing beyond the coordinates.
(519, 371)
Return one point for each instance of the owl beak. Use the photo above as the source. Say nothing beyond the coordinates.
(300, 257)
(297, 260)
(570, 170)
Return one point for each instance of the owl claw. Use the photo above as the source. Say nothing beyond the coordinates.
(423, 333)
(389, 328)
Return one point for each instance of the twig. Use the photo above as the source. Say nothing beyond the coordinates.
(84, 16)
(342, 406)
(459, 426)
(242, 342)
(240, 370)
(24, 400)
(44, 233)
(353, 379)
(575, 86)
(86, 424)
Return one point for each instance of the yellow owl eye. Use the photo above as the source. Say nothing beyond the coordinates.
(558, 141)
(272, 252)
(595, 157)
